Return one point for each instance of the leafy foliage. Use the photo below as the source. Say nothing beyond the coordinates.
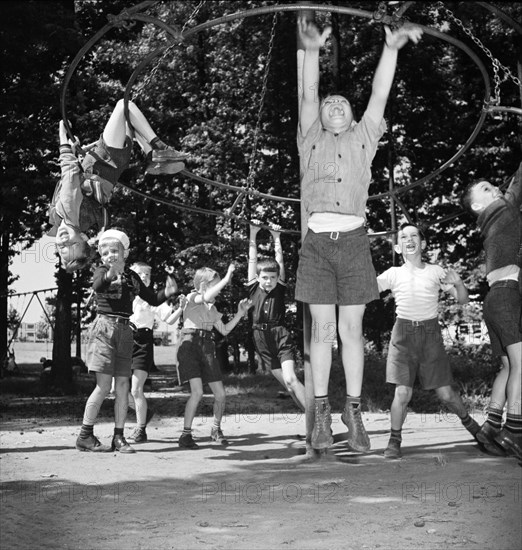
(204, 97)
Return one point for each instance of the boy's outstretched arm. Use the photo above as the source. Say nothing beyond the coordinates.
(312, 40)
(458, 290)
(252, 252)
(210, 294)
(176, 314)
(385, 72)
(278, 250)
(244, 305)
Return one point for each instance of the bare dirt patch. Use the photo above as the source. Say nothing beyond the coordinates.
(259, 492)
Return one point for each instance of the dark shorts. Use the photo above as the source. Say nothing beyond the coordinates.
(336, 268)
(502, 314)
(107, 162)
(143, 350)
(109, 347)
(197, 357)
(274, 346)
(418, 349)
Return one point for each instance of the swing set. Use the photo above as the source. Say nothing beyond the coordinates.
(8, 364)
(491, 104)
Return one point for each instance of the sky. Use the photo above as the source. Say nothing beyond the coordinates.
(35, 267)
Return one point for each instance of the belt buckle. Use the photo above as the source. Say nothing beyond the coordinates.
(264, 326)
(334, 235)
(417, 323)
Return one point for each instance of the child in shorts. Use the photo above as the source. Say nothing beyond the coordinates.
(197, 359)
(86, 183)
(109, 348)
(416, 345)
(142, 322)
(500, 221)
(273, 343)
(335, 275)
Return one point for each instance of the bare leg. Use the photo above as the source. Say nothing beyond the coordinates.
(399, 407)
(196, 393)
(514, 396)
(452, 400)
(140, 402)
(286, 376)
(498, 390)
(121, 401)
(398, 412)
(350, 330)
(323, 335)
(219, 401)
(116, 130)
(98, 395)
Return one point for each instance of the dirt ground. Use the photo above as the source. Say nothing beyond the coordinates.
(259, 492)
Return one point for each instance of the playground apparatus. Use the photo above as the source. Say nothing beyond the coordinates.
(491, 102)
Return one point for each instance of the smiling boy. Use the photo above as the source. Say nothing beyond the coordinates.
(416, 345)
(335, 275)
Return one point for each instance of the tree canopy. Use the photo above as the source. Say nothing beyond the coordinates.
(204, 97)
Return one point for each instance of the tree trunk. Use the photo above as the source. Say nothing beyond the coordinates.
(4, 279)
(61, 373)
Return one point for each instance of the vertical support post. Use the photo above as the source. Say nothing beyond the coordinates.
(79, 296)
(307, 325)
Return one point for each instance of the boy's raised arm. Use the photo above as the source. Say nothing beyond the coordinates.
(252, 252)
(312, 40)
(278, 250)
(210, 294)
(385, 72)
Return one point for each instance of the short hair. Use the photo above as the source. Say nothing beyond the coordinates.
(418, 227)
(83, 259)
(140, 265)
(203, 276)
(466, 196)
(271, 266)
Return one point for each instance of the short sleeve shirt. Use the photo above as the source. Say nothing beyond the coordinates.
(416, 291)
(336, 167)
(201, 316)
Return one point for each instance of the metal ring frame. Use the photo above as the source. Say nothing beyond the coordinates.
(133, 14)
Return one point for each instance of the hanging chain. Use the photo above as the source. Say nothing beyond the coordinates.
(497, 65)
(166, 53)
(251, 167)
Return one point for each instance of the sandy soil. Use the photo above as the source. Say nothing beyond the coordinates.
(257, 493)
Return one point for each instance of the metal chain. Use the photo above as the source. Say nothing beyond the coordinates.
(251, 167)
(166, 53)
(497, 65)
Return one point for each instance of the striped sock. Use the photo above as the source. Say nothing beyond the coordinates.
(467, 421)
(186, 431)
(514, 423)
(396, 434)
(495, 417)
(86, 431)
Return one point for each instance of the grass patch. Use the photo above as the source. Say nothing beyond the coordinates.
(28, 396)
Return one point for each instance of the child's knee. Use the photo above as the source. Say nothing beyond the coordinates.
(196, 394)
(137, 393)
(290, 381)
(220, 396)
(403, 394)
(104, 387)
(446, 394)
